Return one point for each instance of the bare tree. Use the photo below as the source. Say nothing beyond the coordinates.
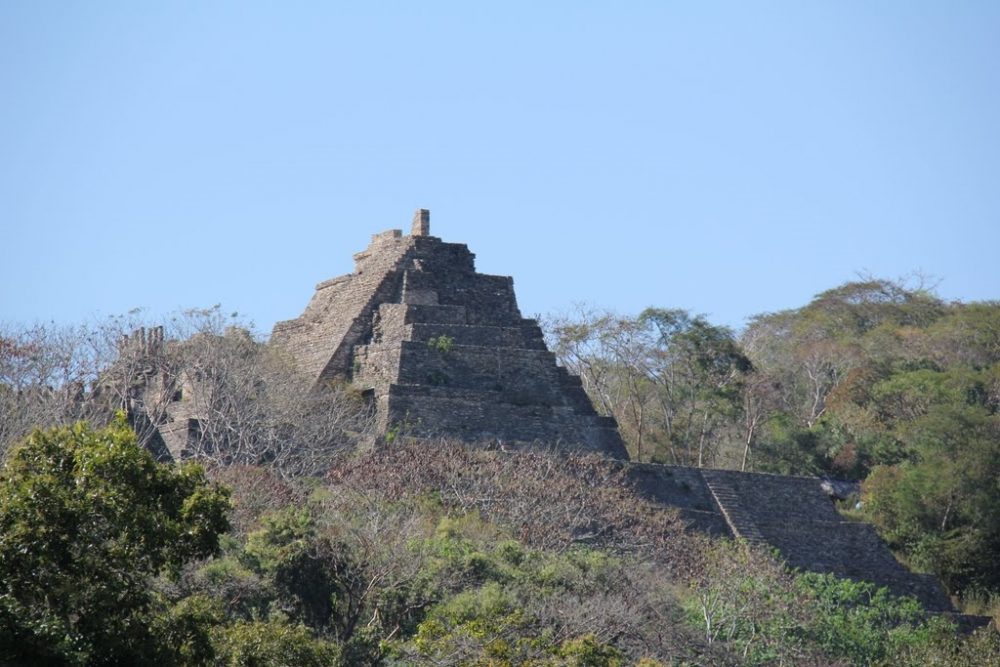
(577, 341)
(760, 396)
(201, 385)
(223, 396)
(47, 373)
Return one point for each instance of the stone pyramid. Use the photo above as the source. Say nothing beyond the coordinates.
(442, 350)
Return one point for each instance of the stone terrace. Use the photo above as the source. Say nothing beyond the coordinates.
(791, 514)
(442, 350)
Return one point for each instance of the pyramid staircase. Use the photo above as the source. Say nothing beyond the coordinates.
(732, 509)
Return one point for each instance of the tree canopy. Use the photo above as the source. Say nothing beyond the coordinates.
(87, 519)
(873, 380)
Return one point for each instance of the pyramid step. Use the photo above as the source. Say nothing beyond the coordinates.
(474, 335)
(415, 313)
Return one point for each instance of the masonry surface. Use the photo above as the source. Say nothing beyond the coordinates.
(442, 350)
(795, 515)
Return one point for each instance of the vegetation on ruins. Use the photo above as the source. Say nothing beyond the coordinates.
(291, 546)
(441, 343)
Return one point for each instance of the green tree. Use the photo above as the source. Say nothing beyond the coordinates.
(671, 379)
(698, 369)
(822, 360)
(942, 507)
(317, 581)
(87, 519)
(273, 644)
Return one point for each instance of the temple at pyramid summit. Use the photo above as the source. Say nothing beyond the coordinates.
(442, 350)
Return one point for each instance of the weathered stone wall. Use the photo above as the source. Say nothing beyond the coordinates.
(443, 350)
(478, 416)
(791, 514)
(421, 223)
(338, 316)
(684, 489)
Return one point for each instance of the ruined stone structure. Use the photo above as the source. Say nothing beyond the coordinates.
(162, 398)
(794, 515)
(441, 349)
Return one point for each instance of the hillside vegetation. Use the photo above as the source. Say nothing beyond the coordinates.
(428, 554)
(288, 545)
(870, 381)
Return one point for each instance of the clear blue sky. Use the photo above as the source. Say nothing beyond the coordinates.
(730, 158)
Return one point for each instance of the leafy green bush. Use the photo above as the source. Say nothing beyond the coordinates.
(272, 644)
(863, 623)
(945, 648)
(87, 519)
(442, 343)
